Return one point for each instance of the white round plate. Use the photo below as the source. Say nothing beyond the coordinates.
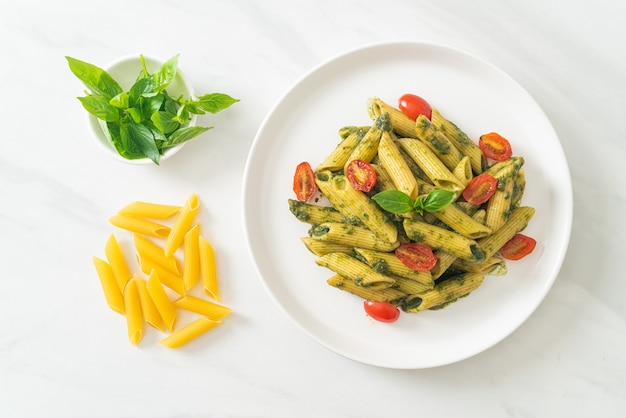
(304, 125)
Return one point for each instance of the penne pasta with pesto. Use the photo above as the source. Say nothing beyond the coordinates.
(410, 213)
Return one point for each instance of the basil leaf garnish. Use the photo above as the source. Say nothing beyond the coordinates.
(394, 201)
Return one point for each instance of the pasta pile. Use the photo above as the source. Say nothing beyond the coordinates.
(155, 300)
(355, 238)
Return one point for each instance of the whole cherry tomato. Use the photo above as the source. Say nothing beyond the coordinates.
(495, 146)
(413, 106)
(480, 189)
(304, 182)
(361, 175)
(416, 256)
(518, 247)
(381, 311)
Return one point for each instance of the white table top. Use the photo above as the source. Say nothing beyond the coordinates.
(63, 353)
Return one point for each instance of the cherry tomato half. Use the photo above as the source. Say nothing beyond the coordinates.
(480, 189)
(495, 146)
(518, 247)
(381, 311)
(361, 175)
(304, 182)
(416, 256)
(413, 106)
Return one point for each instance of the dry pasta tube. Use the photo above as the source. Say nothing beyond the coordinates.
(162, 302)
(189, 332)
(182, 225)
(208, 271)
(148, 308)
(169, 279)
(378, 295)
(111, 290)
(191, 257)
(115, 257)
(142, 226)
(147, 249)
(149, 210)
(134, 316)
(203, 307)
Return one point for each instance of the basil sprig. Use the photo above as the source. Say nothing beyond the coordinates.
(145, 120)
(398, 202)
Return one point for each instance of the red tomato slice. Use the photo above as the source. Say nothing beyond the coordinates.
(416, 256)
(480, 189)
(361, 175)
(518, 247)
(413, 106)
(495, 146)
(304, 182)
(381, 311)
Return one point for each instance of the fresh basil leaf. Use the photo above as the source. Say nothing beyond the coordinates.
(170, 105)
(164, 121)
(141, 87)
(150, 105)
(100, 108)
(394, 201)
(135, 114)
(215, 102)
(166, 73)
(123, 142)
(182, 115)
(143, 139)
(96, 79)
(194, 107)
(438, 199)
(184, 134)
(120, 101)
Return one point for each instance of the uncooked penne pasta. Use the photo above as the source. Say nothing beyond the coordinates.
(147, 249)
(169, 279)
(149, 210)
(115, 258)
(134, 316)
(208, 270)
(140, 225)
(203, 307)
(149, 310)
(191, 257)
(183, 223)
(110, 287)
(189, 332)
(162, 302)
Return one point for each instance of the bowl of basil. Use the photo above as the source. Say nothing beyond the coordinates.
(141, 109)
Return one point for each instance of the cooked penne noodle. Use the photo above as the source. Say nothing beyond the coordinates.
(437, 142)
(515, 223)
(444, 261)
(134, 316)
(169, 279)
(400, 123)
(430, 163)
(149, 210)
(399, 171)
(388, 263)
(320, 248)
(208, 270)
(379, 295)
(183, 223)
(162, 302)
(115, 258)
(355, 204)
(110, 287)
(313, 214)
(500, 204)
(494, 266)
(189, 332)
(463, 171)
(149, 250)
(440, 238)
(518, 189)
(350, 236)
(367, 147)
(337, 159)
(445, 292)
(139, 225)
(203, 307)
(353, 269)
(148, 308)
(191, 254)
(462, 142)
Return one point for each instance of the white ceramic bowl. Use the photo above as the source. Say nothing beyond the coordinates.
(125, 70)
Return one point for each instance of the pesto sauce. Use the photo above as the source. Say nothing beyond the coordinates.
(379, 265)
(318, 230)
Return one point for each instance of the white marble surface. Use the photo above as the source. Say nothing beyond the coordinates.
(64, 354)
